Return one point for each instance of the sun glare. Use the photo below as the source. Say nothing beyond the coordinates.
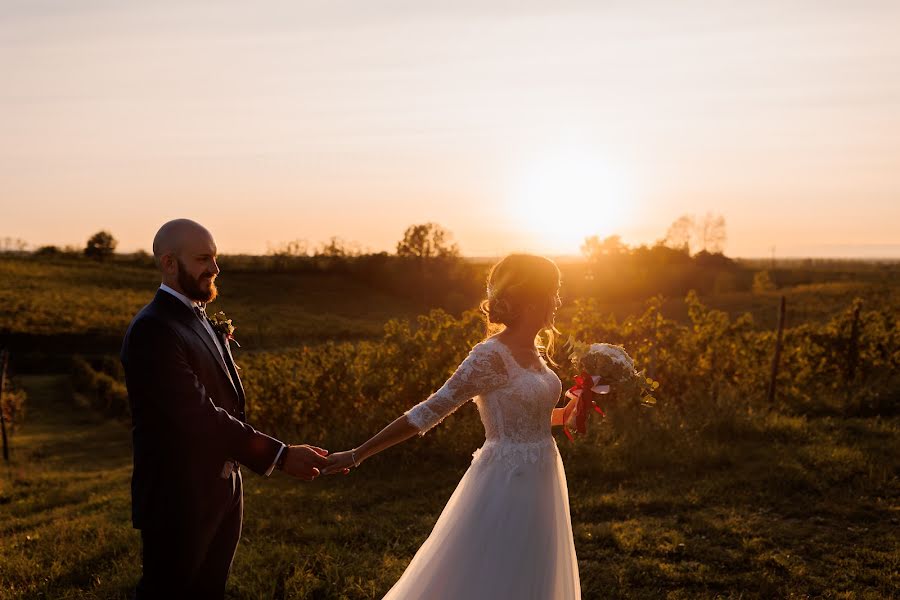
(564, 198)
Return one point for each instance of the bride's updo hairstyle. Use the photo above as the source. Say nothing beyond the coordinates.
(517, 281)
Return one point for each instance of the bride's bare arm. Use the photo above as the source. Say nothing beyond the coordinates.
(398, 431)
(482, 370)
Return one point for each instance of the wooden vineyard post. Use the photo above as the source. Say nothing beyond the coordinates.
(776, 357)
(853, 348)
(651, 363)
(4, 355)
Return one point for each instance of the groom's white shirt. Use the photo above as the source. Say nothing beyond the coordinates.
(192, 305)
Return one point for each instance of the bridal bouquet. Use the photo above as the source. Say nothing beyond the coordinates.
(604, 370)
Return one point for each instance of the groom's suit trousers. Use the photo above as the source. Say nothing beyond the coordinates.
(192, 560)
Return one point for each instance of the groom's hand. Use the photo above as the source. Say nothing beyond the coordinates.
(304, 461)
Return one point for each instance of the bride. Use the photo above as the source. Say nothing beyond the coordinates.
(505, 533)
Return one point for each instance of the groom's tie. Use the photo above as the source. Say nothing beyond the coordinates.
(200, 311)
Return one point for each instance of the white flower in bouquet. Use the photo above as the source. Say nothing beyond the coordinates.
(607, 370)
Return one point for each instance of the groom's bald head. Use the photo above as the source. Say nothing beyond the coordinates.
(185, 253)
(177, 236)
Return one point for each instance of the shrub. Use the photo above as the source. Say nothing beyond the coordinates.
(762, 282)
(12, 404)
(105, 393)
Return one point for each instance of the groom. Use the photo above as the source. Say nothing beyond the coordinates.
(189, 431)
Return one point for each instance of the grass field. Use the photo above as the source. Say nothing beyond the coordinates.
(744, 504)
(785, 507)
(92, 303)
(84, 306)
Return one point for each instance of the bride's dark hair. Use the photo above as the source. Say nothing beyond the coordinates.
(517, 281)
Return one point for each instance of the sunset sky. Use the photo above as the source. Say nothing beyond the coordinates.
(516, 125)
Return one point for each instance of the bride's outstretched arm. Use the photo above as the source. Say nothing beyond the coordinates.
(398, 431)
(483, 370)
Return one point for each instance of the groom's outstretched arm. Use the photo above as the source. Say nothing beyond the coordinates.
(159, 376)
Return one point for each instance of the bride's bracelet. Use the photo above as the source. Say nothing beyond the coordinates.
(353, 457)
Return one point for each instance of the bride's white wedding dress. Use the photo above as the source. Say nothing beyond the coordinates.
(505, 533)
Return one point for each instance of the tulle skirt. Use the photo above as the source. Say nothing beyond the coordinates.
(505, 533)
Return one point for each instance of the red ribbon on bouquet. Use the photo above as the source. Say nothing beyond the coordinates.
(583, 390)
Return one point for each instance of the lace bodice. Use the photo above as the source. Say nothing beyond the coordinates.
(515, 402)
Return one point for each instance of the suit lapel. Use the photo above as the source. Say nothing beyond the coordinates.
(235, 378)
(198, 328)
(187, 317)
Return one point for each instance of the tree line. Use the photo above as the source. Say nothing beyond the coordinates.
(427, 265)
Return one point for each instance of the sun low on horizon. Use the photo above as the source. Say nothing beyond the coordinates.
(567, 194)
(524, 127)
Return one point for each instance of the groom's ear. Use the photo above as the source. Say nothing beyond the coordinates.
(167, 263)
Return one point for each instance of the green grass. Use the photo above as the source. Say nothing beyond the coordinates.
(93, 303)
(775, 507)
(64, 502)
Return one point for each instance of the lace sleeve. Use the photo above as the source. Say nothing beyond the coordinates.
(483, 370)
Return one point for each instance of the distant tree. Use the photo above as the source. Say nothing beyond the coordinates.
(9, 244)
(711, 233)
(710, 260)
(101, 245)
(290, 249)
(429, 240)
(762, 282)
(593, 248)
(47, 251)
(680, 233)
(430, 260)
(286, 253)
(337, 248)
(661, 254)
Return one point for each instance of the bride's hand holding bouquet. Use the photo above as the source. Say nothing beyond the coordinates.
(606, 374)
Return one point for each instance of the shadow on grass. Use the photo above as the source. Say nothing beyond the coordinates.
(790, 507)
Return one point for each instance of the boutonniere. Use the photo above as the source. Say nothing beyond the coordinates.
(223, 326)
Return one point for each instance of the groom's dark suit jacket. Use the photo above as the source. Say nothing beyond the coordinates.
(187, 407)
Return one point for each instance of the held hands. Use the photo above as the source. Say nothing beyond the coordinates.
(304, 462)
(339, 462)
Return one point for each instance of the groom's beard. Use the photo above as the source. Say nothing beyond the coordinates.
(193, 288)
